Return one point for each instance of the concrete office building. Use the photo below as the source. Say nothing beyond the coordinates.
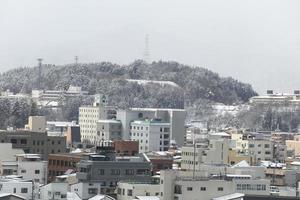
(180, 186)
(7, 156)
(261, 149)
(108, 170)
(31, 167)
(59, 164)
(215, 152)
(28, 167)
(108, 130)
(23, 188)
(176, 118)
(36, 124)
(152, 135)
(33, 142)
(130, 190)
(89, 117)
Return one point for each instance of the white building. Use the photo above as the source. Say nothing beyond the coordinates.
(152, 135)
(130, 190)
(89, 117)
(54, 190)
(176, 118)
(109, 129)
(31, 167)
(261, 149)
(215, 152)
(8, 157)
(36, 124)
(24, 188)
(181, 186)
(86, 190)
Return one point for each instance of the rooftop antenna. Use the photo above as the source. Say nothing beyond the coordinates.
(147, 50)
(40, 72)
(76, 60)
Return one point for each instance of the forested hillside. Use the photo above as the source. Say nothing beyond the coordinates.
(196, 83)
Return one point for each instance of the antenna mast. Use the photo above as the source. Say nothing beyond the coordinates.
(40, 72)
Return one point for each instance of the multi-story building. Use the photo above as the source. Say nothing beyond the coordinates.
(89, 117)
(160, 161)
(108, 170)
(176, 118)
(152, 135)
(52, 98)
(87, 190)
(261, 149)
(126, 147)
(55, 190)
(59, 164)
(128, 190)
(8, 156)
(108, 130)
(31, 167)
(36, 124)
(180, 186)
(216, 152)
(26, 189)
(28, 167)
(34, 142)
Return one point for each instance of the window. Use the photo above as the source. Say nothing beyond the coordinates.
(177, 189)
(115, 171)
(161, 129)
(24, 190)
(23, 141)
(220, 188)
(166, 130)
(37, 171)
(101, 171)
(23, 171)
(129, 192)
(267, 145)
(13, 141)
(93, 191)
(119, 190)
(189, 189)
(203, 188)
(129, 171)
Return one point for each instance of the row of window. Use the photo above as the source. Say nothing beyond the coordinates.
(23, 171)
(129, 192)
(62, 163)
(259, 145)
(240, 187)
(118, 171)
(178, 189)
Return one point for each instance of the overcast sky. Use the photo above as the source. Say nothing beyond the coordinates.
(255, 41)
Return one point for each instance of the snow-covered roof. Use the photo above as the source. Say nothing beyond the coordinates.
(220, 134)
(147, 197)
(3, 195)
(144, 82)
(243, 163)
(230, 196)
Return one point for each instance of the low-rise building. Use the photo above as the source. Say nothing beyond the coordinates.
(130, 190)
(177, 185)
(59, 164)
(126, 147)
(34, 142)
(108, 170)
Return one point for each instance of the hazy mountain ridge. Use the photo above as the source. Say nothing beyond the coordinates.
(197, 83)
